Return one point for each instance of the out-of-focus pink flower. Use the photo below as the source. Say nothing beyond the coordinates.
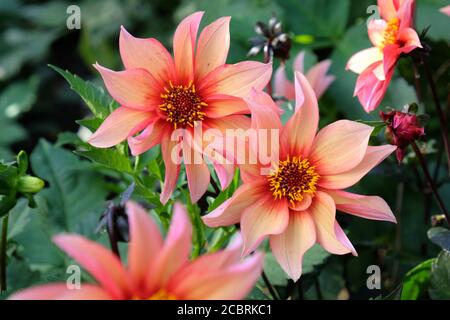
(446, 10)
(295, 206)
(159, 94)
(392, 35)
(157, 270)
(402, 129)
(317, 76)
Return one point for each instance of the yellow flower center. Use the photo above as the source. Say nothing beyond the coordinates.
(182, 105)
(391, 32)
(162, 295)
(293, 178)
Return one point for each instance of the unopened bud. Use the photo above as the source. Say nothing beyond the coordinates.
(29, 184)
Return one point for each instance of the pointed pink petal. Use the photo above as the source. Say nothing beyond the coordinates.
(229, 212)
(234, 282)
(368, 207)
(265, 217)
(197, 174)
(212, 47)
(323, 212)
(361, 60)
(282, 86)
(184, 46)
(376, 28)
(299, 62)
(59, 291)
(172, 168)
(176, 250)
(374, 155)
(104, 266)
(405, 13)
(340, 146)
(133, 88)
(148, 54)
(225, 173)
(318, 78)
(298, 134)
(387, 8)
(343, 239)
(150, 137)
(144, 245)
(221, 105)
(238, 79)
(290, 246)
(445, 10)
(411, 40)
(118, 126)
(263, 111)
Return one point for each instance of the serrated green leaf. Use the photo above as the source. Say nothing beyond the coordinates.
(440, 277)
(95, 98)
(91, 123)
(110, 158)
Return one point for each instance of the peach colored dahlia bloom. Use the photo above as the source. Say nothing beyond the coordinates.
(392, 35)
(317, 76)
(157, 270)
(295, 206)
(159, 94)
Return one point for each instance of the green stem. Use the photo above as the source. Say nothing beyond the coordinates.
(269, 286)
(3, 245)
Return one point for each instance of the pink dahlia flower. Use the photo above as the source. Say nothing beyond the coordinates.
(157, 270)
(295, 205)
(391, 36)
(317, 76)
(159, 94)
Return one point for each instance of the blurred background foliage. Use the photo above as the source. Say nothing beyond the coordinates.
(38, 112)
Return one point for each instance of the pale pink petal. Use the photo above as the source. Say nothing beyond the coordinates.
(388, 9)
(119, 125)
(411, 40)
(361, 60)
(282, 86)
(148, 54)
(263, 111)
(144, 245)
(373, 156)
(224, 172)
(150, 137)
(238, 79)
(445, 10)
(299, 62)
(298, 134)
(340, 146)
(318, 78)
(221, 105)
(184, 46)
(376, 28)
(368, 207)
(60, 291)
(101, 263)
(176, 250)
(405, 13)
(230, 211)
(343, 239)
(172, 168)
(290, 246)
(197, 174)
(212, 47)
(265, 217)
(323, 212)
(133, 88)
(232, 283)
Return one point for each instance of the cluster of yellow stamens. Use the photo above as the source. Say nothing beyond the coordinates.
(293, 178)
(182, 105)
(391, 32)
(162, 295)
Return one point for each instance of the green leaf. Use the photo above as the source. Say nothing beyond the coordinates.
(90, 123)
(95, 98)
(18, 97)
(273, 271)
(110, 158)
(440, 277)
(76, 194)
(416, 281)
(313, 258)
(440, 236)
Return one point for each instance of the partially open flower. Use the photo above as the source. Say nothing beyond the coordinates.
(157, 269)
(402, 129)
(391, 36)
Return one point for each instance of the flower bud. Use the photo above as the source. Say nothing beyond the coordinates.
(29, 184)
